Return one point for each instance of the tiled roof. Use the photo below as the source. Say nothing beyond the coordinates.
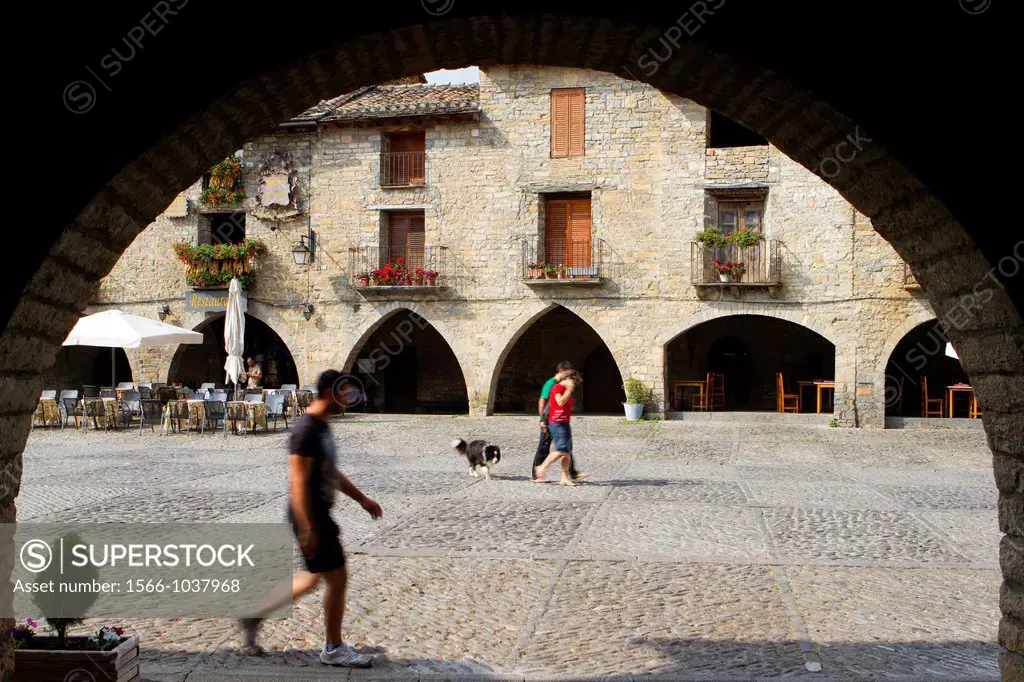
(390, 101)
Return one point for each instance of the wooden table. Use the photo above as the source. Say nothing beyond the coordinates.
(688, 383)
(953, 390)
(820, 385)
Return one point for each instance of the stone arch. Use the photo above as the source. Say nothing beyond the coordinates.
(802, 319)
(893, 340)
(748, 356)
(523, 325)
(413, 328)
(945, 259)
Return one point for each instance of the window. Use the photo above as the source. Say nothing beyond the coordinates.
(222, 228)
(406, 237)
(567, 122)
(725, 132)
(402, 159)
(567, 231)
(733, 215)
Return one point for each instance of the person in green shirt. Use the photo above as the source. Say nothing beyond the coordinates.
(544, 446)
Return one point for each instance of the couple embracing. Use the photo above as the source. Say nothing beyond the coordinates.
(555, 411)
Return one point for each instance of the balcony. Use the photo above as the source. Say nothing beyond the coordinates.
(575, 263)
(761, 264)
(403, 169)
(425, 271)
(909, 281)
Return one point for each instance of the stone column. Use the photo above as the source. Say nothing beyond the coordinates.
(14, 429)
(845, 405)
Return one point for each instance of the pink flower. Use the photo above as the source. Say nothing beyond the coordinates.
(31, 623)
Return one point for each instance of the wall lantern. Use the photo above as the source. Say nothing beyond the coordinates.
(163, 310)
(304, 251)
(307, 311)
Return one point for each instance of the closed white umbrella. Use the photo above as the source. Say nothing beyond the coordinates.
(950, 352)
(234, 333)
(118, 329)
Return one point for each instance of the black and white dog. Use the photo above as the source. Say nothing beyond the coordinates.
(480, 454)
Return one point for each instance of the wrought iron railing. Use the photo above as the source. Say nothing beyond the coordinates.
(576, 259)
(909, 281)
(403, 169)
(760, 264)
(425, 266)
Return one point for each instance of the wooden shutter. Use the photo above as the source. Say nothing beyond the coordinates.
(406, 237)
(559, 123)
(556, 231)
(577, 121)
(580, 242)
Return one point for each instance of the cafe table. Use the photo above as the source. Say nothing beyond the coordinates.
(679, 389)
(951, 392)
(820, 386)
(255, 414)
(102, 411)
(195, 409)
(47, 413)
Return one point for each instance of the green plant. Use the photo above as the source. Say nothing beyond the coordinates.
(549, 269)
(58, 602)
(744, 237)
(224, 186)
(210, 265)
(637, 391)
(738, 268)
(833, 423)
(712, 237)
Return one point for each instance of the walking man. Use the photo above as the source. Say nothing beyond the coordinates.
(560, 428)
(313, 478)
(543, 408)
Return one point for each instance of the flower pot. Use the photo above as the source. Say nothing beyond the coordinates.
(549, 275)
(562, 275)
(533, 273)
(431, 281)
(634, 411)
(737, 277)
(419, 281)
(364, 281)
(723, 277)
(37, 665)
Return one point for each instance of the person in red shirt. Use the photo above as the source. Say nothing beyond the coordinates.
(559, 418)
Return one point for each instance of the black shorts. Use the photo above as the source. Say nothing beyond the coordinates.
(328, 554)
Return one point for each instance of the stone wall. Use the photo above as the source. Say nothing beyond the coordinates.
(646, 167)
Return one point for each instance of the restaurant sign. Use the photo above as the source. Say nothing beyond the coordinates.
(207, 300)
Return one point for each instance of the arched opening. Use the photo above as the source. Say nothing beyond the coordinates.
(557, 335)
(745, 352)
(196, 364)
(920, 362)
(407, 367)
(78, 366)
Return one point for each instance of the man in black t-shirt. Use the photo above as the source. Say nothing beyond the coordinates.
(313, 478)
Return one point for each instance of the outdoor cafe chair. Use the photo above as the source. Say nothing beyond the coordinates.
(289, 387)
(785, 402)
(253, 397)
(199, 395)
(48, 394)
(130, 406)
(146, 384)
(179, 412)
(90, 391)
(151, 412)
(276, 408)
(145, 392)
(107, 392)
(71, 408)
(126, 384)
(930, 407)
(208, 386)
(216, 411)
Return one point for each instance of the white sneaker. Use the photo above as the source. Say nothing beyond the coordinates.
(346, 656)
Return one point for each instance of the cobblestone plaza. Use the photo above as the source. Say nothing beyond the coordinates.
(695, 551)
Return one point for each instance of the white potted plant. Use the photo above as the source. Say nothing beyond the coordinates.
(637, 394)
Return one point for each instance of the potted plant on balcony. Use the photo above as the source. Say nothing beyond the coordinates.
(534, 270)
(550, 271)
(213, 265)
(431, 277)
(711, 237)
(363, 278)
(637, 393)
(561, 272)
(744, 238)
(724, 270)
(737, 270)
(420, 277)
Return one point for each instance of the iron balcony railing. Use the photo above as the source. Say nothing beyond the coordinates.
(575, 259)
(403, 169)
(761, 264)
(423, 265)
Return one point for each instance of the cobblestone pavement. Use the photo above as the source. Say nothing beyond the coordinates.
(695, 551)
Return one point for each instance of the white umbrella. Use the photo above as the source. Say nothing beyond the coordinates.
(950, 352)
(118, 329)
(234, 333)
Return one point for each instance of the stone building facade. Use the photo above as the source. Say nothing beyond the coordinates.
(653, 181)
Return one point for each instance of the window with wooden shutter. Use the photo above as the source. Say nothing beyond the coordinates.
(403, 159)
(406, 238)
(568, 118)
(567, 232)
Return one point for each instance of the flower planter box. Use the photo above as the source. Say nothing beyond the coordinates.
(45, 665)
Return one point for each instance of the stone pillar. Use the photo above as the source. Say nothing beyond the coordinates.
(14, 430)
(845, 405)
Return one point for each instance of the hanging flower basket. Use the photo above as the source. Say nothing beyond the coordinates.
(224, 188)
(214, 265)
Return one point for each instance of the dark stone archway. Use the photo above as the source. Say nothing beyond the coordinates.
(969, 275)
